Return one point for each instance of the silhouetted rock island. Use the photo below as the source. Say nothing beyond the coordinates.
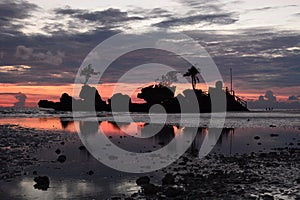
(162, 93)
(90, 99)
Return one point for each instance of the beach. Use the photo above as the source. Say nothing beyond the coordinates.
(256, 157)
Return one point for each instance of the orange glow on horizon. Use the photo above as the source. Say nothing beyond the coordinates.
(35, 93)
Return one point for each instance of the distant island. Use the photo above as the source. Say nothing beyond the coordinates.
(161, 93)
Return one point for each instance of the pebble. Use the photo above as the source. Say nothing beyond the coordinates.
(61, 158)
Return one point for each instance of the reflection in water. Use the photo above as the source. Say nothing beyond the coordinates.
(67, 189)
(164, 134)
(231, 141)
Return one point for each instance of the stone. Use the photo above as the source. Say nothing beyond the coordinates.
(42, 183)
(61, 158)
(90, 172)
(256, 137)
(82, 148)
(150, 189)
(57, 151)
(143, 180)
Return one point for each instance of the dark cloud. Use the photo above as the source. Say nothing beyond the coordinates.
(269, 8)
(151, 13)
(48, 57)
(53, 59)
(202, 12)
(260, 58)
(222, 19)
(203, 5)
(105, 17)
(10, 14)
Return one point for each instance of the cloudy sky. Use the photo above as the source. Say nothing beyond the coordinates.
(43, 43)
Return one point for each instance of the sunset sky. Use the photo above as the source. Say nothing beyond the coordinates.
(43, 43)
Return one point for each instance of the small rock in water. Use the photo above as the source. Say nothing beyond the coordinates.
(273, 126)
(57, 151)
(61, 158)
(82, 147)
(90, 172)
(256, 137)
(161, 143)
(274, 135)
(42, 182)
(143, 180)
(34, 172)
(62, 143)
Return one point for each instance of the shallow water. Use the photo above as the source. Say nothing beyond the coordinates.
(245, 133)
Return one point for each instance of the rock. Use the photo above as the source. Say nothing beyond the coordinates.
(168, 179)
(256, 137)
(161, 143)
(150, 189)
(143, 180)
(172, 192)
(272, 126)
(274, 135)
(34, 172)
(116, 198)
(42, 182)
(267, 197)
(57, 151)
(90, 172)
(61, 158)
(82, 148)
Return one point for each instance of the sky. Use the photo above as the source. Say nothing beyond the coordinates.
(43, 43)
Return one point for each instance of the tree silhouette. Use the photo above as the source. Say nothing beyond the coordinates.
(193, 72)
(87, 72)
(168, 79)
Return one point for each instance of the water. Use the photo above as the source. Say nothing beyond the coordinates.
(243, 133)
(253, 119)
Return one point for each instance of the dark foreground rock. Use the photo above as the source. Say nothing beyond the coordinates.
(42, 182)
(61, 158)
(143, 180)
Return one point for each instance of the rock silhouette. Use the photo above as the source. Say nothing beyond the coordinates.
(216, 100)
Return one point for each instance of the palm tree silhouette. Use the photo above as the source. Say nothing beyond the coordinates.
(87, 72)
(193, 72)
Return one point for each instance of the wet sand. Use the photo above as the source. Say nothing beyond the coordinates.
(263, 171)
